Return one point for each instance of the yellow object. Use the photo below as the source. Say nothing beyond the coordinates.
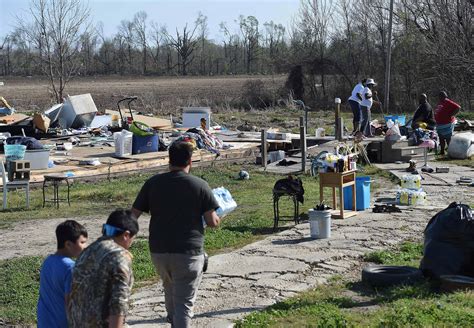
(411, 181)
(423, 125)
(5, 103)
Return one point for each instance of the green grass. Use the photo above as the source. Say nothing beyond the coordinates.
(353, 304)
(251, 221)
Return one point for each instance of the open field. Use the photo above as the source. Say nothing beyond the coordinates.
(161, 95)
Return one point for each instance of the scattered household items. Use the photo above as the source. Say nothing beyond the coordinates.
(29, 142)
(202, 139)
(320, 132)
(55, 180)
(387, 275)
(89, 161)
(320, 223)
(397, 119)
(461, 146)
(442, 169)
(243, 175)
(427, 169)
(363, 194)
(12, 184)
(275, 156)
(448, 246)
(464, 125)
(340, 162)
(386, 208)
(393, 132)
(411, 182)
(123, 143)
(41, 122)
(293, 188)
(77, 111)
(5, 108)
(464, 180)
(286, 162)
(339, 180)
(226, 203)
(411, 197)
(192, 117)
(452, 283)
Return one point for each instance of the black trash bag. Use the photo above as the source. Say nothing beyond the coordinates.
(29, 142)
(449, 243)
(290, 186)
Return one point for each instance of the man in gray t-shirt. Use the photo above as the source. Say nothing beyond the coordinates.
(177, 201)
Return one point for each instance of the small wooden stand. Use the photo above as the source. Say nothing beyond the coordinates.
(339, 180)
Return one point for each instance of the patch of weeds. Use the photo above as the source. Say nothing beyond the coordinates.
(406, 254)
(19, 289)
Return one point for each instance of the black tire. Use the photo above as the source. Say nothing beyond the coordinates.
(450, 283)
(386, 275)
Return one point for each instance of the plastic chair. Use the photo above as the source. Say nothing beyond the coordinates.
(9, 185)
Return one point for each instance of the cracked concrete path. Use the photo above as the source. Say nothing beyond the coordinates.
(271, 270)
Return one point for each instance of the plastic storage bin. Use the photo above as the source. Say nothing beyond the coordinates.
(400, 119)
(39, 158)
(145, 144)
(362, 193)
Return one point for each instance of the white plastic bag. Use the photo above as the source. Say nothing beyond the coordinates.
(461, 146)
(393, 132)
(226, 203)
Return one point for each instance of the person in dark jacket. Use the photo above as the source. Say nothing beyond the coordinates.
(423, 114)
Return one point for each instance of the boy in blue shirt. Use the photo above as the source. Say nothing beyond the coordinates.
(56, 275)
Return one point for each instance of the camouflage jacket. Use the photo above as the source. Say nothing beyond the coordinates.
(101, 284)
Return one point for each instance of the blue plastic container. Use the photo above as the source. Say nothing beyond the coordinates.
(362, 194)
(400, 119)
(144, 144)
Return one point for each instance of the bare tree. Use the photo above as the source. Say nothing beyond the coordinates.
(231, 48)
(184, 43)
(201, 23)
(250, 38)
(56, 32)
(140, 27)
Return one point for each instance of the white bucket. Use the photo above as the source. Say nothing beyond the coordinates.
(320, 132)
(123, 143)
(320, 224)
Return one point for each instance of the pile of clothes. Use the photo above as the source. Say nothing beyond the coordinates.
(202, 139)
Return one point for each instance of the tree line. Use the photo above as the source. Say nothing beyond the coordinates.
(333, 43)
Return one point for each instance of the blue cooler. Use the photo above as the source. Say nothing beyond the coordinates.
(362, 194)
(144, 144)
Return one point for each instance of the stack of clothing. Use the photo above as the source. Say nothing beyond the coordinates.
(202, 139)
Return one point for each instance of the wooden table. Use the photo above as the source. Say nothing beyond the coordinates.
(336, 180)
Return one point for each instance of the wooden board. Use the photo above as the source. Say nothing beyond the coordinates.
(154, 122)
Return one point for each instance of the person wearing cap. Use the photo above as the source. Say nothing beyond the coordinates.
(102, 278)
(423, 116)
(445, 118)
(354, 101)
(179, 203)
(365, 105)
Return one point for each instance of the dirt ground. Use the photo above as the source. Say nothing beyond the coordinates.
(161, 95)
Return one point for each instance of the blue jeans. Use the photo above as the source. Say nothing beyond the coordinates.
(366, 118)
(356, 111)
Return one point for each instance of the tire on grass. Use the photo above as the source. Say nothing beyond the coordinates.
(387, 275)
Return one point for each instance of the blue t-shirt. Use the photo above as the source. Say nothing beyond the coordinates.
(55, 283)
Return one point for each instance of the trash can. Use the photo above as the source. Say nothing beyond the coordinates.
(320, 224)
(362, 192)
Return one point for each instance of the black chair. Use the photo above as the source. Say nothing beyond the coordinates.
(276, 208)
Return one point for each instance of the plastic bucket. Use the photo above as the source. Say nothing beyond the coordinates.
(14, 152)
(362, 192)
(319, 224)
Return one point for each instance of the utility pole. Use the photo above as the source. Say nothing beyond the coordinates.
(388, 59)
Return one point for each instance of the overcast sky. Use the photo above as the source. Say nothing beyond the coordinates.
(172, 13)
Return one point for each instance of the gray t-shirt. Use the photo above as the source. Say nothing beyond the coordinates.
(176, 201)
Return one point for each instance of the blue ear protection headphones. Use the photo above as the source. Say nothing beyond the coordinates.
(111, 231)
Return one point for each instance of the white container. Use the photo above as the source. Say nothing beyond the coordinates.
(123, 143)
(320, 224)
(192, 116)
(39, 158)
(320, 132)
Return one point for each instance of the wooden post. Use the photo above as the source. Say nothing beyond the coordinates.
(303, 144)
(340, 129)
(337, 127)
(263, 149)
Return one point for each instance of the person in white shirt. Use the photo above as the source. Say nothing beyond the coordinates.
(365, 105)
(354, 102)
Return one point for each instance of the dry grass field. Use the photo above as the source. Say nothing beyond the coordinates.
(160, 95)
